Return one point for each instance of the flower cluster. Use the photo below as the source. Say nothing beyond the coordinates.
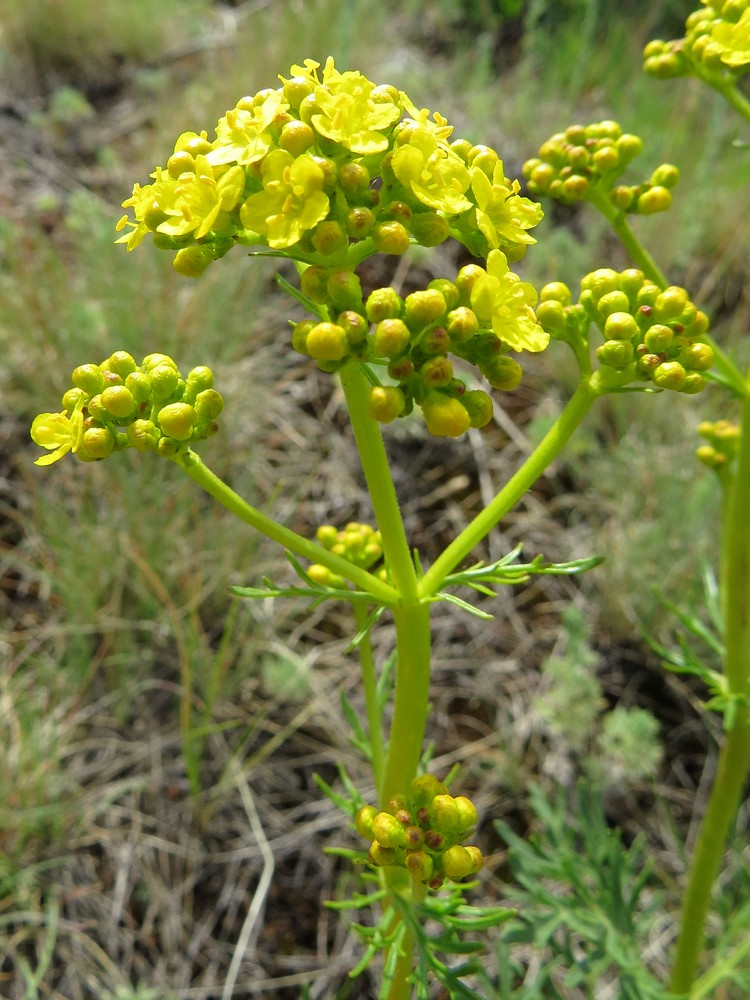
(650, 334)
(584, 161)
(326, 160)
(359, 543)
(118, 404)
(478, 318)
(423, 832)
(722, 440)
(716, 45)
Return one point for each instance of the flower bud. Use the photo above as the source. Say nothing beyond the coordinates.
(420, 865)
(385, 403)
(354, 326)
(502, 372)
(363, 820)
(670, 303)
(552, 317)
(620, 326)
(476, 858)
(354, 179)
(89, 378)
(423, 307)
(601, 281)
(381, 856)
(143, 435)
(628, 147)
(461, 324)
(655, 199)
(176, 420)
(327, 342)
(445, 417)
(479, 407)
(467, 813)
(164, 382)
(697, 357)
(118, 400)
(344, 290)
(413, 837)
(666, 175)
(613, 302)
(198, 379)
(383, 303)
(192, 262)
(296, 137)
(329, 237)
(694, 382)
(615, 353)
(444, 814)
(139, 385)
(657, 338)
(387, 830)
(391, 238)
(208, 405)
(436, 373)
(457, 862)
(391, 337)
(314, 283)
(669, 375)
(466, 279)
(425, 788)
(429, 229)
(98, 442)
(359, 223)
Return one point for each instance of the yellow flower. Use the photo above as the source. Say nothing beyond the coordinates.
(734, 40)
(58, 431)
(348, 113)
(151, 204)
(503, 216)
(432, 171)
(501, 299)
(439, 126)
(292, 201)
(200, 198)
(242, 135)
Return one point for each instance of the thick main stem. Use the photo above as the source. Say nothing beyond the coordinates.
(734, 758)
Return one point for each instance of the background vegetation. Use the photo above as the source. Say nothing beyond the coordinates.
(136, 863)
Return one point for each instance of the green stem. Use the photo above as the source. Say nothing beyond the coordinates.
(379, 482)
(193, 465)
(370, 689)
(732, 95)
(619, 222)
(734, 757)
(543, 455)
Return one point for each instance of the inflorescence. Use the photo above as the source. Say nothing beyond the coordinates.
(118, 404)
(650, 335)
(422, 832)
(715, 47)
(327, 170)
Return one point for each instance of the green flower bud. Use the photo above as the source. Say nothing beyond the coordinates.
(143, 435)
(140, 386)
(476, 858)
(401, 369)
(391, 337)
(354, 325)
(670, 304)
(631, 282)
(180, 163)
(694, 382)
(697, 357)
(383, 303)
(176, 420)
(98, 442)
(575, 188)
(88, 378)
(623, 197)
(457, 862)
(434, 840)
(613, 302)
(552, 317)
(152, 360)
(628, 147)
(359, 223)
(502, 372)
(198, 379)
(364, 816)
(479, 406)
(96, 408)
(429, 229)
(192, 262)
(314, 283)
(164, 382)
(444, 416)
(425, 788)
(435, 341)
(658, 338)
(541, 177)
(444, 814)
(354, 179)
(382, 856)
(606, 159)
(327, 342)
(615, 353)
(118, 400)
(465, 280)
(461, 324)
(391, 238)
(296, 137)
(208, 405)
(121, 363)
(344, 290)
(73, 398)
(656, 199)
(698, 326)
(467, 813)
(447, 289)
(601, 281)
(556, 291)
(299, 335)
(436, 373)
(483, 157)
(329, 237)
(620, 326)
(329, 168)
(666, 175)
(385, 403)
(413, 837)
(669, 375)
(420, 865)
(387, 830)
